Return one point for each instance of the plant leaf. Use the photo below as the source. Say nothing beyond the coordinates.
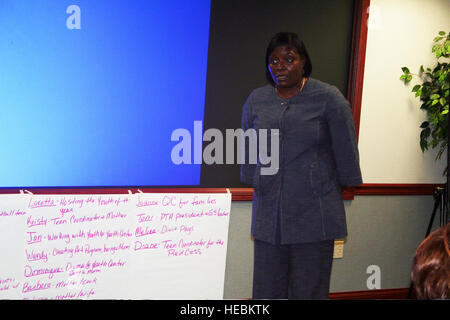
(416, 87)
(434, 96)
(424, 124)
(423, 145)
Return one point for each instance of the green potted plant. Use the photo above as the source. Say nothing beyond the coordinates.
(433, 92)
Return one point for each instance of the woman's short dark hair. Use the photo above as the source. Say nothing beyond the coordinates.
(430, 270)
(289, 39)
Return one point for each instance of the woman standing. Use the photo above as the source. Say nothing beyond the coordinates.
(298, 211)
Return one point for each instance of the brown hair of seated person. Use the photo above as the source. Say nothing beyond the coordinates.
(430, 272)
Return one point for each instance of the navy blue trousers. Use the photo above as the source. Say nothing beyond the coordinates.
(297, 271)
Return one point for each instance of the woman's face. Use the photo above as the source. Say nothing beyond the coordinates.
(286, 67)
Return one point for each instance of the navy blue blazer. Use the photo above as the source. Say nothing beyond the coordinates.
(318, 153)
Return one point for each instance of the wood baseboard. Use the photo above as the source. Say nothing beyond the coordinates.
(367, 189)
(376, 294)
(245, 194)
(382, 294)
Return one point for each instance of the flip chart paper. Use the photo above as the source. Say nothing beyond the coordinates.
(110, 246)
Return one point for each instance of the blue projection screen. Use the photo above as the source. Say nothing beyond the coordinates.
(91, 91)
